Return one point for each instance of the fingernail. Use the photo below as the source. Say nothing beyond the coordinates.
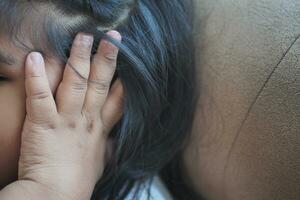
(36, 58)
(35, 64)
(86, 39)
(114, 34)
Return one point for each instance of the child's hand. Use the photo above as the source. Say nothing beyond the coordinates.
(64, 140)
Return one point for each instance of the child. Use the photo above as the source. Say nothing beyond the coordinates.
(155, 67)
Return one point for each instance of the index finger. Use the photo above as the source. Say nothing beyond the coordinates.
(40, 103)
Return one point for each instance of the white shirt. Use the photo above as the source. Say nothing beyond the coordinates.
(158, 191)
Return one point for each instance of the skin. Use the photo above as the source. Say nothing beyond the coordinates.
(245, 142)
(13, 108)
(78, 119)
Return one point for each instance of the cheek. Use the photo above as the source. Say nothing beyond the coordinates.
(54, 72)
(12, 106)
(12, 114)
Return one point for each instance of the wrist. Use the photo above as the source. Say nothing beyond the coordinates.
(31, 190)
(65, 185)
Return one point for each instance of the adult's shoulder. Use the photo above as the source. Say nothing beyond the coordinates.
(245, 140)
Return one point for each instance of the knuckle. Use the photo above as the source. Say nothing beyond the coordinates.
(39, 95)
(50, 124)
(92, 122)
(101, 87)
(79, 85)
(35, 76)
(91, 126)
(110, 57)
(72, 124)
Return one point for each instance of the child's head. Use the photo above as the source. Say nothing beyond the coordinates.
(155, 65)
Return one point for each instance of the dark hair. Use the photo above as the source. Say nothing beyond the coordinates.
(155, 66)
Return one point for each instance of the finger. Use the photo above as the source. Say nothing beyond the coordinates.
(40, 104)
(102, 72)
(112, 110)
(72, 90)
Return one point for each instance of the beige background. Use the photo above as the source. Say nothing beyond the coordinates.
(246, 136)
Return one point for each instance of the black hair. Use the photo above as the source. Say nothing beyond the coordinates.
(155, 65)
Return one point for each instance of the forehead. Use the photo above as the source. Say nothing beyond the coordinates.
(41, 26)
(17, 21)
(22, 36)
(10, 54)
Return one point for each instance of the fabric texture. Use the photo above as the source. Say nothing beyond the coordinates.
(158, 191)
